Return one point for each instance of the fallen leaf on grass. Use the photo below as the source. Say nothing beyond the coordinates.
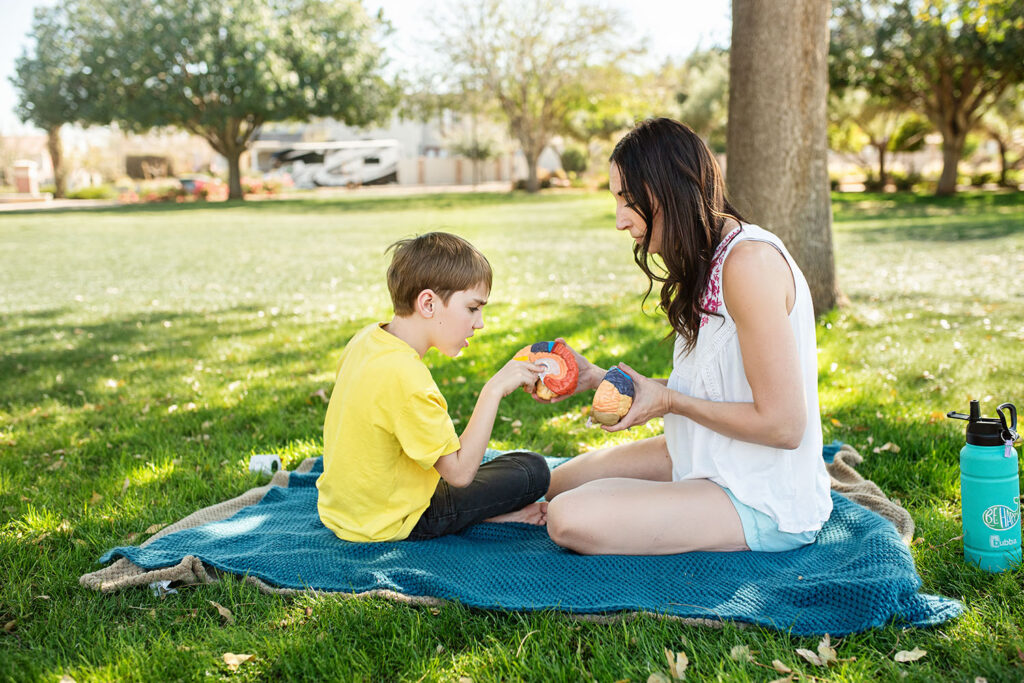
(910, 655)
(741, 653)
(811, 657)
(96, 497)
(127, 483)
(66, 679)
(780, 667)
(10, 626)
(659, 677)
(234, 661)
(677, 663)
(321, 394)
(229, 618)
(153, 528)
(826, 652)
(57, 465)
(787, 679)
(887, 446)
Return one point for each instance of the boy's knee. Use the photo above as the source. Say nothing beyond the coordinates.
(538, 472)
(533, 472)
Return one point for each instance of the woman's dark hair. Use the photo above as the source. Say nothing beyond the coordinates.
(666, 167)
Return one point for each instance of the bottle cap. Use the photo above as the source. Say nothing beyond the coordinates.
(983, 431)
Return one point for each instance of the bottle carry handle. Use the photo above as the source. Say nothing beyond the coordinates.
(1009, 432)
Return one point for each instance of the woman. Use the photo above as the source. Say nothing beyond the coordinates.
(739, 465)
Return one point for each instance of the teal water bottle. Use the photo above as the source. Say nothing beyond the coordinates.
(990, 489)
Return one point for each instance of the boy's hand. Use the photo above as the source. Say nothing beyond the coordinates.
(590, 377)
(515, 374)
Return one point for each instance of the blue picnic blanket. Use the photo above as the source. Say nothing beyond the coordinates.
(857, 575)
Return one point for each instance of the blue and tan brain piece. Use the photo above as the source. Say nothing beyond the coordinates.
(613, 398)
(561, 373)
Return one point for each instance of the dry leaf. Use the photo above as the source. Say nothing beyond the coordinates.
(980, 679)
(677, 663)
(57, 465)
(224, 612)
(836, 422)
(659, 677)
(95, 498)
(787, 679)
(153, 528)
(234, 661)
(741, 653)
(780, 667)
(66, 679)
(810, 657)
(910, 656)
(826, 652)
(10, 625)
(127, 483)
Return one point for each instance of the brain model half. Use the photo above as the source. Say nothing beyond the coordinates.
(613, 397)
(560, 375)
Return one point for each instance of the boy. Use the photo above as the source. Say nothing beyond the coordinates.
(393, 465)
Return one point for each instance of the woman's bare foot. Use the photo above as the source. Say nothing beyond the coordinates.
(534, 513)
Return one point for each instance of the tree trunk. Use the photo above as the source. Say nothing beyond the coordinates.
(1002, 162)
(60, 174)
(777, 164)
(532, 184)
(882, 179)
(952, 150)
(234, 173)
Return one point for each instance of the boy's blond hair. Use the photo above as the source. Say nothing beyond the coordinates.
(438, 261)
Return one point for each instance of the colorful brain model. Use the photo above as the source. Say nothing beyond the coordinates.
(613, 397)
(560, 375)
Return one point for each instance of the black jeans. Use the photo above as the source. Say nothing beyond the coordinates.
(509, 482)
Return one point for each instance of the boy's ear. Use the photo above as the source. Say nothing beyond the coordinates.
(426, 302)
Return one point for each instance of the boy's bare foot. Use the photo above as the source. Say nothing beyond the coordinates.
(534, 513)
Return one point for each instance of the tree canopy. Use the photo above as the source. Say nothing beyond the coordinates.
(221, 70)
(948, 59)
(45, 80)
(528, 56)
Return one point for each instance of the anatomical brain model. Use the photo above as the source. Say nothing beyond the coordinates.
(613, 397)
(561, 373)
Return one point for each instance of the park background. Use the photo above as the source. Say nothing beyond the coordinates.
(150, 347)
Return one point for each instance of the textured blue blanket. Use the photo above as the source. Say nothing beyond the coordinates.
(857, 575)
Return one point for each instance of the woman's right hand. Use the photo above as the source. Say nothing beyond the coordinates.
(589, 379)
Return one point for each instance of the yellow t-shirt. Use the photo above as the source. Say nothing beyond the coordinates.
(386, 426)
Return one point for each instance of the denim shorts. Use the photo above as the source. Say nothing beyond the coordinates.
(762, 533)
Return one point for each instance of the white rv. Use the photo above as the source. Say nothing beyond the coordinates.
(337, 164)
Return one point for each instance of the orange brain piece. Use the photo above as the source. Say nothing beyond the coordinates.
(561, 374)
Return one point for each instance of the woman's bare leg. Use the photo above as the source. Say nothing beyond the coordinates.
(643, 459)
(637, 517)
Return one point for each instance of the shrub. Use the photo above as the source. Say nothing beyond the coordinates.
(873, 183)
(94, 192)
(905, 182)
(983, 178)
(574, 159)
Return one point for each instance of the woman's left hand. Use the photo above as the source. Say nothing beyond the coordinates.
(651, 400)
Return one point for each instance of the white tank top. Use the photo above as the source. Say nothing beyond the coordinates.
(790, 486)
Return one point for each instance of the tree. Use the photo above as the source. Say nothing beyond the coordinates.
(777, 158)
(1004, 122)
(528, 56)
(44, 80)
(878, 123)
(222, 69)
(703, 95)
(948, 59)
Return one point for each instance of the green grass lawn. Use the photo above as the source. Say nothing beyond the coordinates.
(148, 351)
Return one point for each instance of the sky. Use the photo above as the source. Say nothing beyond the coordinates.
(672, 28)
